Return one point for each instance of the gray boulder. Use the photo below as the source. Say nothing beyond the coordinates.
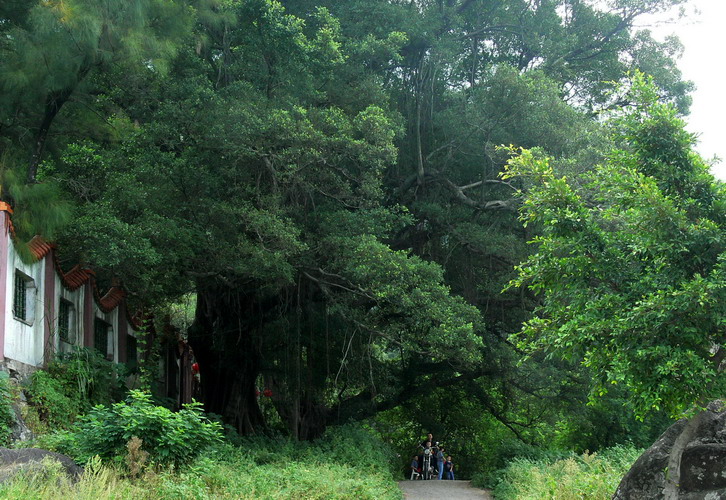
(688, 462)
(20, 431)
(31, 460)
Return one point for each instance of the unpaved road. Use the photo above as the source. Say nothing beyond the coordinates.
(451, 490)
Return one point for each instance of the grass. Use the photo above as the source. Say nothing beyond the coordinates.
(590, 476)
(208, 479)
(333, 467)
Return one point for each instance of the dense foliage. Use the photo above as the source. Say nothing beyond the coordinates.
(630, 262)
(591, 475)
(323, 177)
(335, 466)
(71, 384)
(168, 437)
(7, 413)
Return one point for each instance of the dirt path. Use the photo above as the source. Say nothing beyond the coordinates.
(451, 490)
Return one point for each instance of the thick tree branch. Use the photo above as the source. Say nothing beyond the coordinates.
(458, 192)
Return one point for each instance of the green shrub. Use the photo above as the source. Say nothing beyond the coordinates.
(354, 445)
(7, 415)
(87, 375)
(347, 462)
(72, 384)
(169, 437)
(587, 476)
(55, 408)
(350, 444)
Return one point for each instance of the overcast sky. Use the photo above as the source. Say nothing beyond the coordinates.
(704, 37)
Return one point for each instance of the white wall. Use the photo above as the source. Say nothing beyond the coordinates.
(24, 340)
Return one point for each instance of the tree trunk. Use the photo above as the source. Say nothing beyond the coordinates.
(53, 104)
(229, 360)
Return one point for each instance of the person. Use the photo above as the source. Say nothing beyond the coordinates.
(440, 461)
(426, 460)
(449, 465)
(415, 470)
(429, 439)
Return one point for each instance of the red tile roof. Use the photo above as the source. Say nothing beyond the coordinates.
(77, 276)
(39, 247)
(74, 278)
(112, 299)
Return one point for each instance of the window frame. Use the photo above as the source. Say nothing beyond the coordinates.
(66, 308)
(101, 325)
(23, 299)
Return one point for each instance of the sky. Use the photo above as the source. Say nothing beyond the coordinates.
(703, 35)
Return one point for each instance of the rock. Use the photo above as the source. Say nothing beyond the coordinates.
(646, 478)
(20, 431)
(705, 468)
(31, 460)
(701, 455)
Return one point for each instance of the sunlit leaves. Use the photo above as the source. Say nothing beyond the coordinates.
(630, 262)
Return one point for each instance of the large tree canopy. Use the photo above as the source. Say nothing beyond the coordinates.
(323, 177)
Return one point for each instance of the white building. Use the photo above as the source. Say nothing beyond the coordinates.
(44, 310)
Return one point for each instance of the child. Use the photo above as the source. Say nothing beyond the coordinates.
(415, 471)
(449, 468)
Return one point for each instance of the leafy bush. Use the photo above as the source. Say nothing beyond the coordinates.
(7, 415)
(587, 476)
(169, 437)
(87, 374)
(55, 408)
(72, 384)
(354, 445)
(349, 461)
(350, 444)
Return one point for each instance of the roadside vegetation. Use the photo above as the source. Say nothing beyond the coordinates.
(591, 476)
(133, 447)
(225, 471)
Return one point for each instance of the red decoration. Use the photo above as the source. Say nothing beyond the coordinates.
(267, 393)
(257, 393)
(195, 368)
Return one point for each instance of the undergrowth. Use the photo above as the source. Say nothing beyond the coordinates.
(590, 476)
(71, 385)
(169, 438)
(137, 449)
(210, 478)
(7, 415)
(347, 462)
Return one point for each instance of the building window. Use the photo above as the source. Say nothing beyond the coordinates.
(101, 337)
(23, 299)
(66, 315)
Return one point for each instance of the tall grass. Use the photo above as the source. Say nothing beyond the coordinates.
(346, 463)
(208, 479)
(589, 476)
